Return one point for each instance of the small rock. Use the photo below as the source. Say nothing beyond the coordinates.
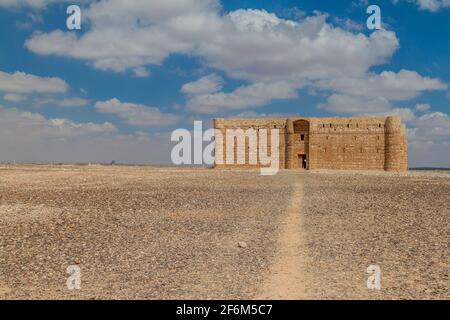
(242, 244)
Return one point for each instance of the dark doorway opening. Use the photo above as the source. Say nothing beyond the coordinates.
(302, 164)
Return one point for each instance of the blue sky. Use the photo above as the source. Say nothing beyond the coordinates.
(139, 69)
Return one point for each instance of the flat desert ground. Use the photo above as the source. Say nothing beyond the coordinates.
(183, 233)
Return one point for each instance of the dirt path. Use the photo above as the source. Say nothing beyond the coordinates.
(286, 279)
(4, 290)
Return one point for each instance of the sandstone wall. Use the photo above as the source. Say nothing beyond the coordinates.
(365, 143)
(347, 143)
(242, 159)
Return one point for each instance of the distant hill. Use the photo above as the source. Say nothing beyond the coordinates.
(430, 169)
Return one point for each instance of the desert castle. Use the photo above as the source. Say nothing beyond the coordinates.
(364, 143)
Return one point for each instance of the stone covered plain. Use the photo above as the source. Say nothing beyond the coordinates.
(166, 233)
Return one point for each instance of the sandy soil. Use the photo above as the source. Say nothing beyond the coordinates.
(164, 233)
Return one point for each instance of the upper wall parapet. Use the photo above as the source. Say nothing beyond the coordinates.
(388, 124)
(359, 124)
(356, 124)
(243, 123)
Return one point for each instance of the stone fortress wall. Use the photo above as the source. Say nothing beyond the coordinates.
(360, 143)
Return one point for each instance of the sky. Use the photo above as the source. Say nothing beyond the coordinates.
(137, 70)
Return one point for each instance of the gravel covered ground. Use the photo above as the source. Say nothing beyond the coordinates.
(400, 222)
(165, 233)
(136, 232)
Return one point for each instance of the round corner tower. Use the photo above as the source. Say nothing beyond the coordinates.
(396, 153)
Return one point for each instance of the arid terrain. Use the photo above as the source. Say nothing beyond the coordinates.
(182, 233)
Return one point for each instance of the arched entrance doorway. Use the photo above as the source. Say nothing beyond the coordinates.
(301, 144)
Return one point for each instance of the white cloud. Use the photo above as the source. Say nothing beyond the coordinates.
(20, 82)
(259, 46)
(136, 114)
(251, 96)
(207, 84)
(126, 35)
(361, 3)
(355, 105)
(74, 102)
(27, 123)
(252, 45)
(374, 93)
(249, 44)
(65, 102)
(30, 137)
(19, 3)
(433, 5)
(428, 5)
(350, 25)
(14, 97)
(431, 127)
(35, 4)
(405, 114)
(429, 140)
(33, 20)
(402, 85)
(141, 72)
(422, 107)
(276, 56)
